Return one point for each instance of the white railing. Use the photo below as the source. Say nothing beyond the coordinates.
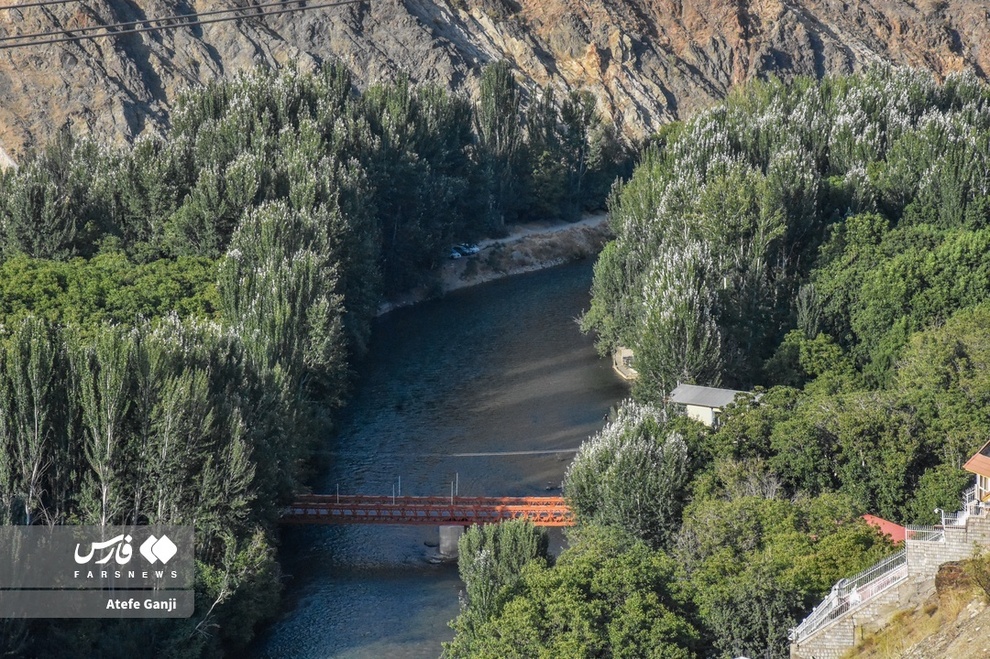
(955, 519)
(849, 594)
(917, 533)
(972, 504)
(969, 498)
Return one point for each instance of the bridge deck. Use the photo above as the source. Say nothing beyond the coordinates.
(433, 511)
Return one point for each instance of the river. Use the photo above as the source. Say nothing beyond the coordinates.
(494, 369)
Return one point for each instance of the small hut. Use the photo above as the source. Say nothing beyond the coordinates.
(702, 403)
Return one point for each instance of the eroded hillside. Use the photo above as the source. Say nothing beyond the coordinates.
(647, 61)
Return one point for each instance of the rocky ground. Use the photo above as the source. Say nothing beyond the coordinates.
(953, 624)
(647, 61)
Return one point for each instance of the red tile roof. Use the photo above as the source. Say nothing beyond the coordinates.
(896, 532)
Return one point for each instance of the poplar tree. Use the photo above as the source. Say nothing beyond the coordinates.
(102, 376)
(497, 120)
(8, 462)
(31, 375)
(631, 475)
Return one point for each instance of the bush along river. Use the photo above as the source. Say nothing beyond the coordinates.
(462, 389)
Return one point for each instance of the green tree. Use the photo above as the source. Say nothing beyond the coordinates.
(47, 204)
(501, 137)
(607, 596)
(757, 564)
(490, 562)
(679, 339)
(33, 362)
(102, 379)
(631, 475)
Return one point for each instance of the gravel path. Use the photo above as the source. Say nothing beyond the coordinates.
(528, 248)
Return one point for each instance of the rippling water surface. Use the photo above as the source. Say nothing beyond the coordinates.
(493, 369)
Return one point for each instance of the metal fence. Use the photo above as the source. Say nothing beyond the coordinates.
(916, 533)
(969, 498)
(957, 518)
(848, 594)
(970, 506)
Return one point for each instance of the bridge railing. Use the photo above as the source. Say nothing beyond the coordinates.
(374, 499)
(454, 510)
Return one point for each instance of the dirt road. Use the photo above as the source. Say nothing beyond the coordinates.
(527, 248)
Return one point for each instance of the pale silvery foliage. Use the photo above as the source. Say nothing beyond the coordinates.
(631, 474)
(680, 339)
(716, 229)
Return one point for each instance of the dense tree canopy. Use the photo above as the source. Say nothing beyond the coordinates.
(177, 317)
(607, 596)
(824, 244)
(871, 192)
(821, 236)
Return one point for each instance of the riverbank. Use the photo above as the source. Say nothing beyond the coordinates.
(528, 248)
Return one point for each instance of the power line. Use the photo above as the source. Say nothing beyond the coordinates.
(41, 42)
(39, 4)
(130, 24)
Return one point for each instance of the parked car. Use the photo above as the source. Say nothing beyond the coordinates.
(454, 254)
(468, 250)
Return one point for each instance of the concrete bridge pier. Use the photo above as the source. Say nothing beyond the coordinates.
(449, 535)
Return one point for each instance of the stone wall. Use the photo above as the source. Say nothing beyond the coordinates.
(961, 542)
(923, 560)
(834, 640)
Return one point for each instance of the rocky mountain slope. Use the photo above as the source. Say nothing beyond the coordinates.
(647, 61)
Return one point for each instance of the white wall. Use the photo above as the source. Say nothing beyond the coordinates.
(704, 414)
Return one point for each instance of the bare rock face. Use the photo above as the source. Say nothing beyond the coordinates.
(647, 61)
(951, 577)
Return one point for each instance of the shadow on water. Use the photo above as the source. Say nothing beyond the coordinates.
(498, 368)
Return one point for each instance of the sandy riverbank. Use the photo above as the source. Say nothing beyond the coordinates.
(529, 247)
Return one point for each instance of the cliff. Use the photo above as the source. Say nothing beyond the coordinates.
(647, 61)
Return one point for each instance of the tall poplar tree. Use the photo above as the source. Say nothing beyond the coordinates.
(501, 137)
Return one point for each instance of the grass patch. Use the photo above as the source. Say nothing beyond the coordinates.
(908, 628)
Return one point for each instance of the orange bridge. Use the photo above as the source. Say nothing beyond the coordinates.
(433, 511)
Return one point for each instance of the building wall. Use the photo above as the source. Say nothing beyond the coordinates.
(622, 361)
(704, 414)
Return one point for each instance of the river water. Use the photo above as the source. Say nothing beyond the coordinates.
(450, 387)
